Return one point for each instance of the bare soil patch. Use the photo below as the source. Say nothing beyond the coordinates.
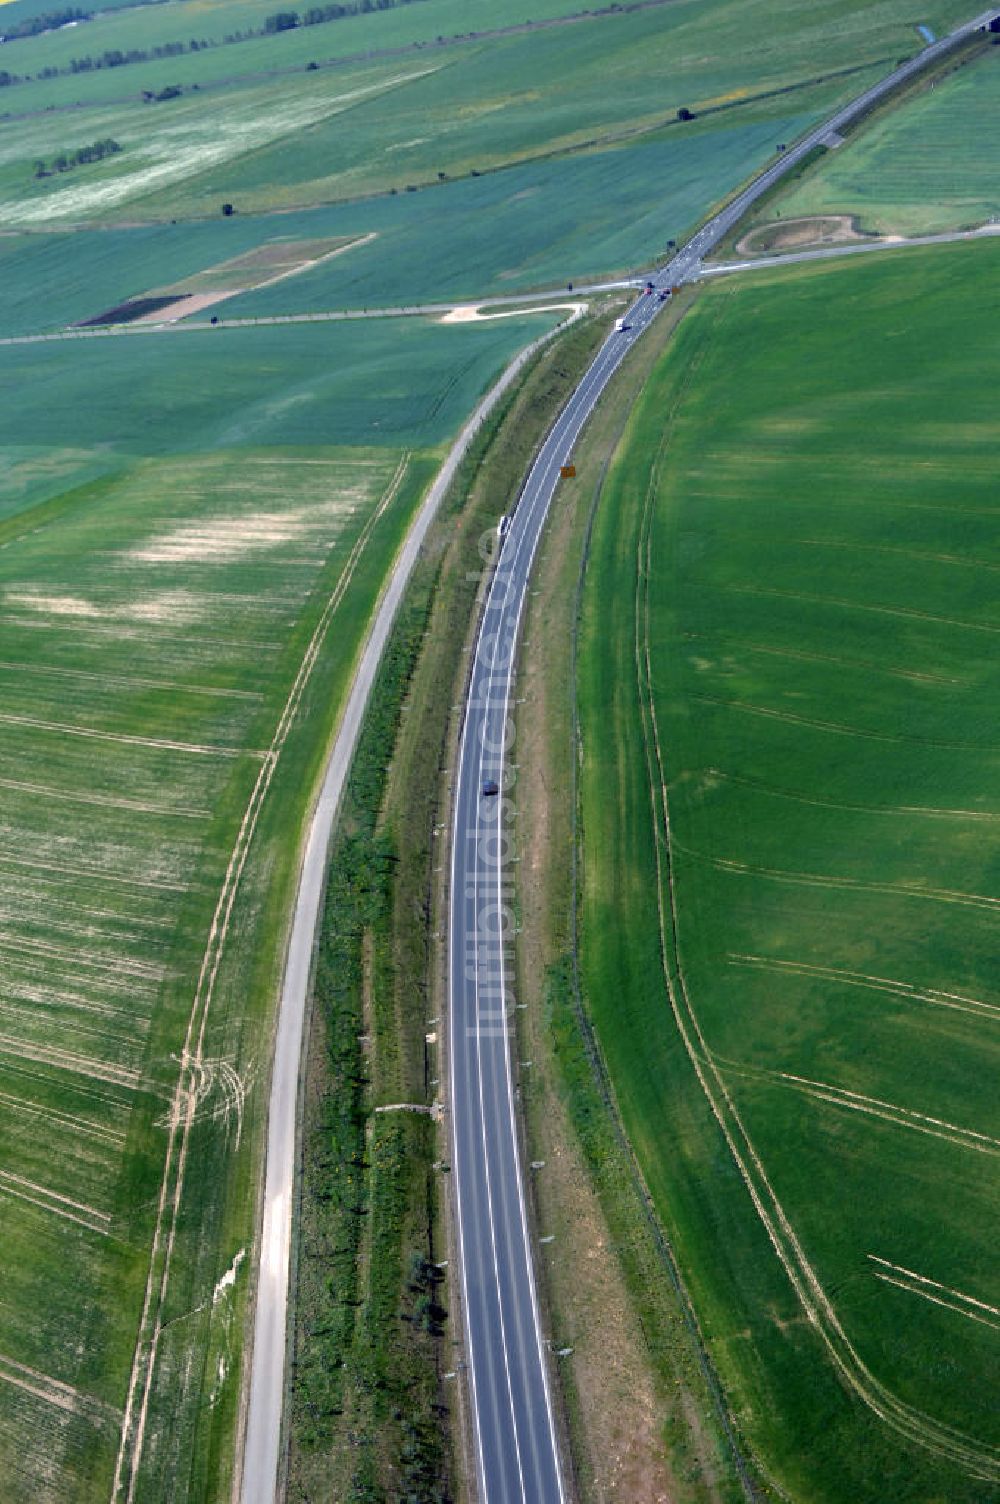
(133, 309)
(182, 306)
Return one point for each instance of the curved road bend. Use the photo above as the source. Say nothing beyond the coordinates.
(261, 1450)
(517, 1452)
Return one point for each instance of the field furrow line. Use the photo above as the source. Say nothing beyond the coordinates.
(937, 1300)
(41, 1190)
(68, 1060)
(815, 800)
(904, 553)
(47, 874)
(129, 681)
(55, 1392)
(51, 997)
(75, 1125)
(104, 801)
(122, 632)
(847, 884)
(51, 1201)
(891, 1112)
(906, 612)
(25, 1018)
(185, 1101)
(137, 970)
(906, 990)
(198, 749)
(866, 664)
(922, 1279)
(108, 984)
(837, 728)
(136, 921)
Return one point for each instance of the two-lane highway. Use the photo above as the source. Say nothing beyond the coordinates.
(517, 1449)
(517, 1453)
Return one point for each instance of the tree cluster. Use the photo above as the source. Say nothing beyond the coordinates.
(66, 160)
(317, 15)
(35, 25)
(113, 57)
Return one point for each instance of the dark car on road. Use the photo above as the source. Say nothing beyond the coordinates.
(491, 786)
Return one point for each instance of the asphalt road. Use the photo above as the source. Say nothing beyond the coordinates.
(517, 1449)
(261, 1450)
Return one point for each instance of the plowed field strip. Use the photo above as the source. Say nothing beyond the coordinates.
(185, 1101)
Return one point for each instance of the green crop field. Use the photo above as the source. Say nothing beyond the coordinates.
(921, 169)
(195, 524)
(791, 749)
(193, 533)
(405, 382)
(244, 128)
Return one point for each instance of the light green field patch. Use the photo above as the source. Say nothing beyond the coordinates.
(922, 168)
(265, 263)
(188, 142)
(791, 757)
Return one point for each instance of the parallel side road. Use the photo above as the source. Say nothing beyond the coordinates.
(261, 1451)
(517, 1452)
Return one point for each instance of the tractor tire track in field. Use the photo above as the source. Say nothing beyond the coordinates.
(54, 1392)
(837, 728)
(855, 1101)
(186, 1098)
(908, 991)
(977, 1460)
(866, 665)
(844, 884)
(795, 796)
(908, 613)
(940, 1295)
